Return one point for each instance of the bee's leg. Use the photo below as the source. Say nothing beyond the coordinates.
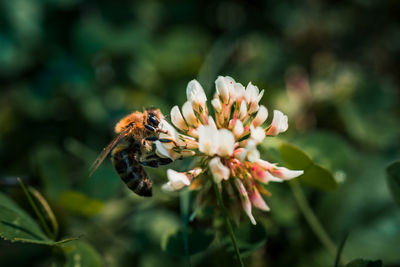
(165, 140)
(164, 161)
(154, 161)
(151, 138)
(150, 128)
(150, 163)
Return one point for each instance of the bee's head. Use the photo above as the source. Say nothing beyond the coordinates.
(153, 116)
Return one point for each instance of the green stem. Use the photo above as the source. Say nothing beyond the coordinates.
(228, 224)
(36, 209)
(311, 218)
(184, 203)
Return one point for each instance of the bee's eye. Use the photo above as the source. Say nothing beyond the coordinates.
(152, 120)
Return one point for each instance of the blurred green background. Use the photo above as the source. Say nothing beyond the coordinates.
(70, 69)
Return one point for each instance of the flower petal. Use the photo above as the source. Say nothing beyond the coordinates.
(226, 143)
(246, 204)
(257, 134)
(286, 174)
(238, 129)
(177, 180)
(219, 171)
(243, 110)
(257, 200)
(279, 123)
(216, 104)
(195, 92)
(224, 86)
(261, 116)
(189, 115)
(208, 139)
(177, 119)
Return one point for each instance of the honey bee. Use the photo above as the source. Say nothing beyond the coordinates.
(133, 148)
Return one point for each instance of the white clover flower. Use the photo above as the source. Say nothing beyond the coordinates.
(226, 143)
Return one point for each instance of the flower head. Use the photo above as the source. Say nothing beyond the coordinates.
(227, 143)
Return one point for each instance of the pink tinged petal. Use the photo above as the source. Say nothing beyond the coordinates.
(219, 171)
(177, 119)
(187, 142)
(177, 180)
(257, 200)
(223, 86)
(238, 151)
(238, 129)
(243, 110)
(193, 132)
(253, 107)
(195, 93)
(240, 92)
(261, 116)
(262, 175)
(216, 103)
(246, 204)
(226, 143)
(286, 174)
(251, 93)
(208, 140)
(265, 164)
(188, 114)
(279, 123)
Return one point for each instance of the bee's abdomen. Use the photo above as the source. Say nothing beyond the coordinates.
(132, 173)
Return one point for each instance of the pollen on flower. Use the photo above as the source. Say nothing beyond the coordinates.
(227, 142)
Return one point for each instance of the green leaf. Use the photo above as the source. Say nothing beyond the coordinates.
(78, 203)
(364, 263)
(8, 202)
(249, 238)
(294, 158)
(314, 174)
(393, 180)
(16, 225)
(198, 241)
(81, 253)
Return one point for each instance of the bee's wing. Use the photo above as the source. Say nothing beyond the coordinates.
(107, 150)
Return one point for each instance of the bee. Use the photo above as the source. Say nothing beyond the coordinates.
(134, 148)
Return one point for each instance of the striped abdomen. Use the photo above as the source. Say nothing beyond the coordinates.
(130, 171)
